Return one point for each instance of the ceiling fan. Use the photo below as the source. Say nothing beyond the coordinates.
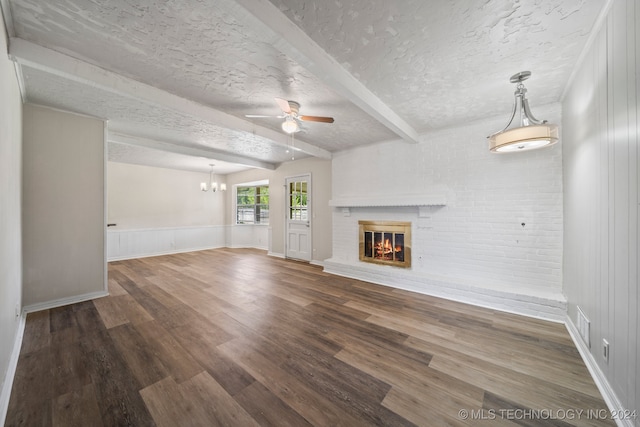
(291, 116)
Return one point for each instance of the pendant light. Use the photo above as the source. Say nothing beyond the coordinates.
(531, 132)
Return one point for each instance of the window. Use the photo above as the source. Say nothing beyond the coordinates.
(252, 204)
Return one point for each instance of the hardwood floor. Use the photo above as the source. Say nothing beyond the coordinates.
(237, 338)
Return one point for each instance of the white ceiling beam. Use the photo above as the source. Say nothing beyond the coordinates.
(120, 138)
(5, 8)
(44, 59)
(289, 39)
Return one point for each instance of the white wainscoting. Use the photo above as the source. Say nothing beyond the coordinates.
(127, 244)
(249, 236)
(140, 243)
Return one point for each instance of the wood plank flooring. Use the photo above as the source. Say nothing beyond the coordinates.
(237, 338)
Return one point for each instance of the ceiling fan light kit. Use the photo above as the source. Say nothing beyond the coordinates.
(290, 125)
(531, 132)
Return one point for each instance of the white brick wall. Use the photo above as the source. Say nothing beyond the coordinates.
(477, 239)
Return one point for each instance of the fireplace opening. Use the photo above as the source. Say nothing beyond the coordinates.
(385, 242)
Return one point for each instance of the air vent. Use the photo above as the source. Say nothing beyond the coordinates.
(584, 327)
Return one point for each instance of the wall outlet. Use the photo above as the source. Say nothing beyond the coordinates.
(17, 309)
(605, 350)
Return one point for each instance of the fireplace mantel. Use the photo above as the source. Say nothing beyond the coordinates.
(400, 200)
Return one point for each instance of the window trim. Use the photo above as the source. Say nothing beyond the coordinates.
(254, 184)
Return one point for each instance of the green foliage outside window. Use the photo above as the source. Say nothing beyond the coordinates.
(252, 205)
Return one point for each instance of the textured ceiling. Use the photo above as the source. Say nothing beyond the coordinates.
(176, 78)
(437, 62)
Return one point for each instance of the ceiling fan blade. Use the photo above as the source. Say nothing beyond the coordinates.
(284, 105)
(260, 116)
(316, 119)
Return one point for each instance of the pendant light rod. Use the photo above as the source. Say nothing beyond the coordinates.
(531, 132)
(521, 103)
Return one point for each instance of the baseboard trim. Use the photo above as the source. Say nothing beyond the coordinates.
(276, 254)
(64, 301)
(281, 255)
(11, 369)
(550, 309)
(609, 396)
(260, 248)
(161, 253)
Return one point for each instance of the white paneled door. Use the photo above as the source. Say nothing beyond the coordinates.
(298, 224)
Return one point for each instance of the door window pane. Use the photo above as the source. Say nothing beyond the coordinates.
(298, 200)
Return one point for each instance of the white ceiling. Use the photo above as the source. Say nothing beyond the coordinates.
(175, 78)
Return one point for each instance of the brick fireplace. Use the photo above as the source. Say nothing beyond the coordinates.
(385, 242)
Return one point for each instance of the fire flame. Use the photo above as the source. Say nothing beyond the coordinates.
(386, 249)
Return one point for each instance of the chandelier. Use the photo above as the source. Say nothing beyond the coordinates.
(213, 182)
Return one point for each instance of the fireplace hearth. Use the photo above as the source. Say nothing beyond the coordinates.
(385, 242)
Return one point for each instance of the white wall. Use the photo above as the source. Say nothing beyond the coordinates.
(10, 222)
(151, 197)
(63, 210)
(160, 211)
(321, 193)
(474, 248)
(601, 179)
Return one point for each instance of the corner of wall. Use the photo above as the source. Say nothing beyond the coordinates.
(7, 384)
(11, 324)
